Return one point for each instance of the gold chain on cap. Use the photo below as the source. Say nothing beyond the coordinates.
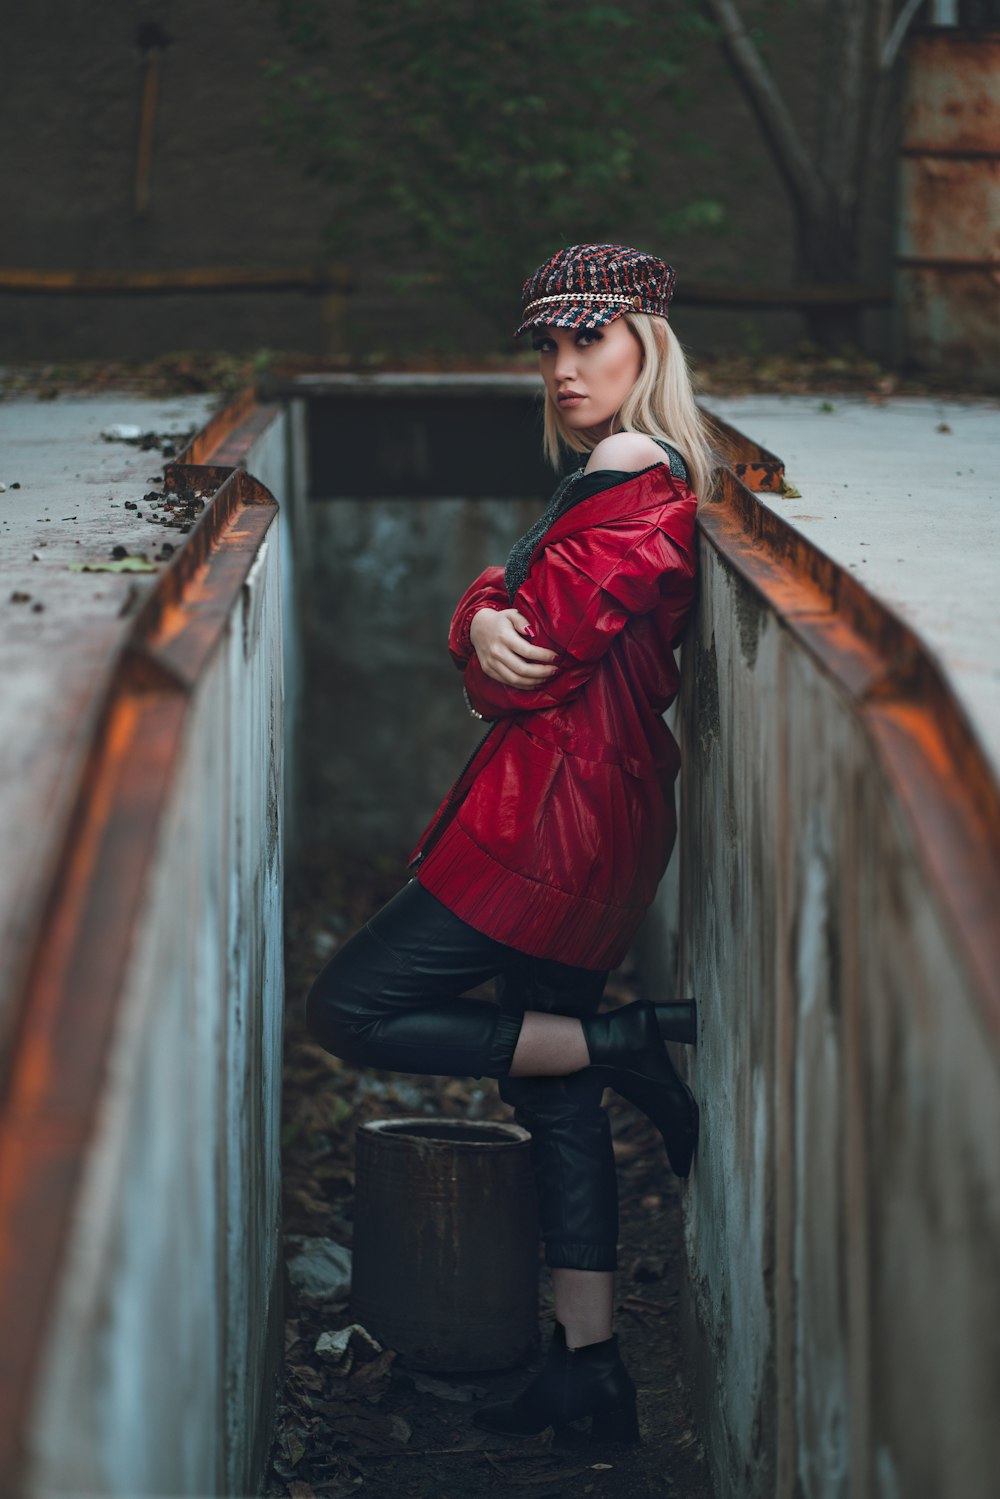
(585, 296)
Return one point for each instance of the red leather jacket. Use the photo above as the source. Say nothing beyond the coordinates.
(554, 837)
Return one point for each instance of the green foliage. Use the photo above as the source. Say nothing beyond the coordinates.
(466, 141)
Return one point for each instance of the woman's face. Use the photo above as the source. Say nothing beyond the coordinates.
(588, 374)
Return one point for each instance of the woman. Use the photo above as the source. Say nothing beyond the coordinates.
(540, 863)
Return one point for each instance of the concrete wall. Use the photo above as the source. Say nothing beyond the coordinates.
(410, 496)
(164, 1343)
(843, 1217)
(385, 729)
(278, 457)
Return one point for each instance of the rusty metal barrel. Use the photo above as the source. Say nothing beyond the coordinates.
(949, 203)
(445, 1265)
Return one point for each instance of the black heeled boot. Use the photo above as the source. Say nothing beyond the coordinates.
(628, 1044)
(678, 1021)
(572, 1383)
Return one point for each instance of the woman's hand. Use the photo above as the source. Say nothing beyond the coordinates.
(500, 638)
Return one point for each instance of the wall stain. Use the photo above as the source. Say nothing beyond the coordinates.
(750, 621)
(706, 678)
(751, 615)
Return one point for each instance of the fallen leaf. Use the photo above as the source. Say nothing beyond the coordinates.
(459, 1392)
(401, 1430)
(295, 1448)
(123, 565)
(649, 1268)
(306, 1376)
(371, 1377)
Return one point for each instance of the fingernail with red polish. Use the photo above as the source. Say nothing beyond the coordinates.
(529, 632)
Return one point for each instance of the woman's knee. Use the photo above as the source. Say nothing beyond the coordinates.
(556, 1102)
(340, 1005)
(327, 1017)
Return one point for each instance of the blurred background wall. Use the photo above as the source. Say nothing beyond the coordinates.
(142, 139)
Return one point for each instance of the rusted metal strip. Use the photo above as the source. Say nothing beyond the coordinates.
(68, 1005)
(928, 263)
(754, 465)
(948, 153)
(147, 119)
(233, 448)
(197, 279)
(204, 445)
(931, 757)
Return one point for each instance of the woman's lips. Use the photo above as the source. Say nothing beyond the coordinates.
(570, 398)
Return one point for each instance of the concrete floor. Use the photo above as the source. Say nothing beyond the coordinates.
(905, 493)
(60, 641)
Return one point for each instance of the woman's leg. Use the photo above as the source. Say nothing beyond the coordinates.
(584, 1304)
(549, 1046)
(571, 1147)
(391, 997)
(583, 1375)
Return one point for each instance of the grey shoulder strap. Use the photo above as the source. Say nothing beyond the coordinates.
(677, 465)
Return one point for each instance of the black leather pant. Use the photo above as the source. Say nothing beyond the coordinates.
(391, 998)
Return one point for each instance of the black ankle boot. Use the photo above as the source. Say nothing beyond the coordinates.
(629, 1045)
(571, 1384)
(678, 1021)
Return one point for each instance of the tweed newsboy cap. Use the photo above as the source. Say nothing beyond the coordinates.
(588, 286)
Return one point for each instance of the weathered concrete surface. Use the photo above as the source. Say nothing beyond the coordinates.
(913, 510)
(382, 568)
(843, 1217)
(382, 696)
(160, 1357)
(161, 1345)
(278, 458)
(70, 508)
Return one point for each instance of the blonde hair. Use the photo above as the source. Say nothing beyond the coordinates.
(660, 404)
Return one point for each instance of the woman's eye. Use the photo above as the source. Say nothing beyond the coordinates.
(588, 336)
(542, 345)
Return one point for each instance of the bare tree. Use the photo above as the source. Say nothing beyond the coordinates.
(827, 184)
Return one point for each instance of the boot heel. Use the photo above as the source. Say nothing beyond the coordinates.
(621, 1425)
(678, 1021)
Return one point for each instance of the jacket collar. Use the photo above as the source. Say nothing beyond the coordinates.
(646, 490)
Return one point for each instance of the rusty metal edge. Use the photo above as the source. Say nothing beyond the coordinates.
(948, 153)
(196, 280)
(927, 263)
(956, 35)
(224, 421)
(70, 994)
(929, 752)
(747, 459)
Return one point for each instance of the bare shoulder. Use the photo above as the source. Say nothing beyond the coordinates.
(626, 451)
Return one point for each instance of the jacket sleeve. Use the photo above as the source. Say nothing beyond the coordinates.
(487, 592)
(581, 593)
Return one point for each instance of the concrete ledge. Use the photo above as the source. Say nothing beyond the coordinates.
(839, 878)
(78, 996)
(402, 383)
